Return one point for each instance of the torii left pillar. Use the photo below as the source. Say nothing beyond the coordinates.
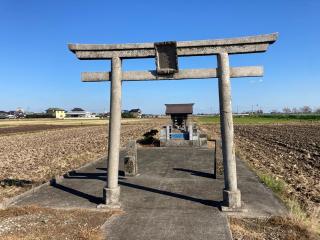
(231, 193)
(111, 193)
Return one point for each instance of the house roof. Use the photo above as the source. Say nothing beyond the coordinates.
(77, 109)
(184, 108)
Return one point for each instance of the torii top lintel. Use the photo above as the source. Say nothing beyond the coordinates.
(249, 44)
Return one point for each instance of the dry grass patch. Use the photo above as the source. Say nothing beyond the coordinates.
(270, 228)
(33, 222)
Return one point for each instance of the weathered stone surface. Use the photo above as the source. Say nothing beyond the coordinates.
(269, 38)
(200, 142)
(111, 196)
(235, 72)
(203, 141)
(131, 159)
(247, 44)
(232, 199)
(231, 191)
(114, 131)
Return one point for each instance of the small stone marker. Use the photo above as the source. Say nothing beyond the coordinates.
(203, 140)
(130, 159)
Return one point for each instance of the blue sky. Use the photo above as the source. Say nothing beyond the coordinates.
(37, 70)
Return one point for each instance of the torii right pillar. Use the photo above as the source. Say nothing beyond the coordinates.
(231, 193)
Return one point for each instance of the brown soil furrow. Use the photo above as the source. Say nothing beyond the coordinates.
(289, 152)
(39, 156)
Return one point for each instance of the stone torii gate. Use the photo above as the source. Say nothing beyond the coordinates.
(166, 55)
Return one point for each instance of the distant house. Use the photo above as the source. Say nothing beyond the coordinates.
(11, 114)
(79, 113)
(3, 115)
(19, 113)
(136, 113)
(56, 112)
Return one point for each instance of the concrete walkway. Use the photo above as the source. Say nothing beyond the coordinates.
(174, 197)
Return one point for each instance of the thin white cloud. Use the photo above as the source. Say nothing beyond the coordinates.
(253, 81)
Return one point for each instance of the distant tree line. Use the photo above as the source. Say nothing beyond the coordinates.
(286, 110)
(303, 110)
(38, 115)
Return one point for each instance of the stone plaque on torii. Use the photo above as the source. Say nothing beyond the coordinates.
(166, 55)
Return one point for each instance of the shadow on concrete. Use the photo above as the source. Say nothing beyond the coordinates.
(120, 172)
(212, 203)
(99, 176)
(196, 173)
(93, 199)
(102, 177)
(80, 175)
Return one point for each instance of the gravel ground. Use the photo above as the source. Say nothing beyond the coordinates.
(32, 223)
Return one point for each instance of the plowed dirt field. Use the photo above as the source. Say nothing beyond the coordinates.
(290, 152)
(30, 158)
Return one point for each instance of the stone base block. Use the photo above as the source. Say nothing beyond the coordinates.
(232, 211)
(184, 143)
(111, 196)
(109, 207)
(232, 199)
